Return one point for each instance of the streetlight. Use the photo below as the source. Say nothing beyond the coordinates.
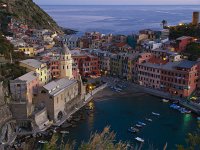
(90, 89)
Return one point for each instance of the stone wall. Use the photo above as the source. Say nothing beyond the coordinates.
(41, 119)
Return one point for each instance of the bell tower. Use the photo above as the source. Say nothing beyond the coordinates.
(65, 63)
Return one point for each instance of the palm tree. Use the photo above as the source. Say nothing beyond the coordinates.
(164, 23)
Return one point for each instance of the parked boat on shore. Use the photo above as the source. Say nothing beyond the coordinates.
(174, 106)
(181, 109)
(139, 139)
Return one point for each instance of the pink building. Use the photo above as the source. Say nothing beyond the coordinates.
(23, 90)
(180, 78)
(149, 75)
(24, 87)
(182, 42)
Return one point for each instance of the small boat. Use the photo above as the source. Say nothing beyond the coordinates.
(42, 142)
(139, 139)
(188, 111)
(132, 131)
(165, 100)
(174, 106)
(138, 125)
(135, 129)
(198, 118)
(64, 132)
(175, 102)
(142, 123)
(148, 119)
(155, 114)
(184, 111)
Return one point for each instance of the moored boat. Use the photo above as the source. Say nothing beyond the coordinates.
(148, 119)
(132, 131)
(64, 132)
(135, 129)
(139, 139)
(165, 100)
(138, 125)
(142, 123)
(155, 114)
(42, 141)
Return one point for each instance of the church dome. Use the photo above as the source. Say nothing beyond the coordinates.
(65, 50)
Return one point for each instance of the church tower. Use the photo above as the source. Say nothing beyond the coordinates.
(65, 63)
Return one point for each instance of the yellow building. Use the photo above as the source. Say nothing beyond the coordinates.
(39, 67)
(30, 51)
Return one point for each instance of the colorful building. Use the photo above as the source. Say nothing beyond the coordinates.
(38, 67)
(180, 78)
(181, 43)
(22, 91)
(87, 64)
(31, 51)
(60, 97)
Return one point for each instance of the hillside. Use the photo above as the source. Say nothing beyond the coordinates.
(27, 11)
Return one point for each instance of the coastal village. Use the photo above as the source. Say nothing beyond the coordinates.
(58, 66)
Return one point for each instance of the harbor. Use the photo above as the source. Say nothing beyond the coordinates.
(131, 124)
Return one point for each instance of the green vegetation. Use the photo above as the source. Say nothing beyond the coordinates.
(98, 141)
(193, 51)
(28, 12)
(5, 47)
(7, 50)
(184, 30)
(10, 71)
(193, 141)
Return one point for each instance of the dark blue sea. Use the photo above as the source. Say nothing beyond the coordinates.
(119, 19)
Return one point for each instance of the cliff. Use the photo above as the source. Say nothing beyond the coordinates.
(30, 13)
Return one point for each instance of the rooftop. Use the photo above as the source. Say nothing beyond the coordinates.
(182, 64)
(184, 37)
(32, 62)
(28, 77)
(186, 64)
(147, 64)
(57, 86)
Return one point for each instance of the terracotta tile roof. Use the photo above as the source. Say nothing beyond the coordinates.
(120, 44)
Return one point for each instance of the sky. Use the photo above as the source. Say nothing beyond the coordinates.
(117, 2)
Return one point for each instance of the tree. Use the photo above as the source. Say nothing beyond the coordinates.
(193, 51)
(98, 141)
(164, 23)
(193, 141)
(51, 145)
(104, 140)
